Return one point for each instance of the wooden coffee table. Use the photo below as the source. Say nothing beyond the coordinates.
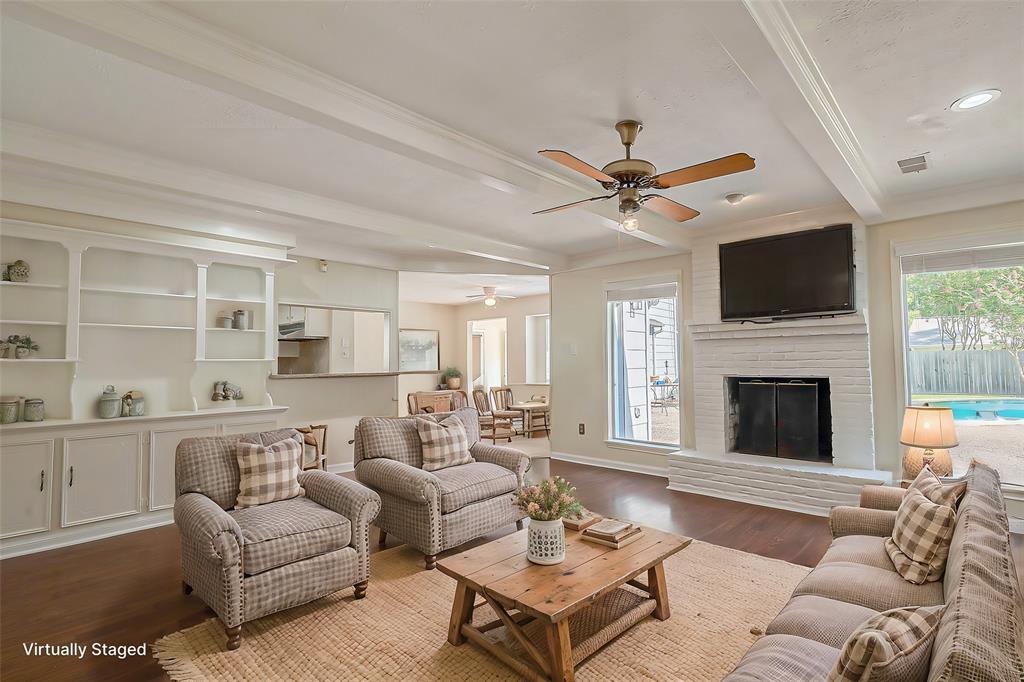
(568, 602)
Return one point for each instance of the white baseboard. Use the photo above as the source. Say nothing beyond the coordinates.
(29, 544)
(343, 468)
(649, 470)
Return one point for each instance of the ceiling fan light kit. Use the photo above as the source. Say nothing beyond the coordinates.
(628, 178)
(489, 298)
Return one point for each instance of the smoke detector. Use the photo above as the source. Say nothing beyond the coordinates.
(913, 164)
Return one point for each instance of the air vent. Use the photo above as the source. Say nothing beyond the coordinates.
(914, 164)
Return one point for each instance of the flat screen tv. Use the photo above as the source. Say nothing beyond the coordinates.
(788, 275)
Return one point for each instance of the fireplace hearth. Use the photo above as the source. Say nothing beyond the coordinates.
(787, 417)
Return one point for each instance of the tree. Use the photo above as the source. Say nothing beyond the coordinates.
(972, 306)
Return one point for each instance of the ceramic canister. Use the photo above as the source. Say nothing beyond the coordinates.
(9, 409)
(241, 319)
(35, 410)
(110, 403)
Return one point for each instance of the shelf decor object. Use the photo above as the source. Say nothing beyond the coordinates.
(928, 433)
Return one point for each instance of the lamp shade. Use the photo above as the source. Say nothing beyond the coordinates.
(928, 427)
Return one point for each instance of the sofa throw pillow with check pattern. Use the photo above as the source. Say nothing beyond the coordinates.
(938, 491)
(268, 473)
(919, 545)
(889, 646)
(445, 443)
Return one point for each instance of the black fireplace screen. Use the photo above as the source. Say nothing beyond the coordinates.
(781, 417)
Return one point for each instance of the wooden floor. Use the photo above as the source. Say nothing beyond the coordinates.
(126, 589)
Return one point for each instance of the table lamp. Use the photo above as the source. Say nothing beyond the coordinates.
(928, 433)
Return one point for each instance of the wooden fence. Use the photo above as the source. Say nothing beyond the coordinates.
(968, 372)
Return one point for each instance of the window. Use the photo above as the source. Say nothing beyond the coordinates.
(644, 363)
(964, 349)
(538, 349)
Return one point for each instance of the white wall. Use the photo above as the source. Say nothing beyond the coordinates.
(883, 304)
(413, 315)
(338, 402)
(578, 368)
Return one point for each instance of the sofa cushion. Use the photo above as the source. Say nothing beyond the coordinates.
(784, 658)
(291, 530)
(880, 589)
(981, 635)
(473, 482)
(392, 438)
(868, 550)
(822, 619)
(892, 646)
(445, 443)
(920, 538)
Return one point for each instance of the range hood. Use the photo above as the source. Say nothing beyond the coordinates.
(295, 331)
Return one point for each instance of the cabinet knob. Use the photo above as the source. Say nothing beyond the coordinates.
(42, 479)
(71, 480)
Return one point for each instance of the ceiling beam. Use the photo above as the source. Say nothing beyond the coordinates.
(761, 38)
(169, 40)
(27, 143)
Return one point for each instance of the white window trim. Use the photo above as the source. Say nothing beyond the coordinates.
(651, 280)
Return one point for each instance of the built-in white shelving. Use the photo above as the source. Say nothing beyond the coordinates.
(34, 323)
(32, 360)
(231, 329)
(131, 292)
(234, 359)
(120, 325)
(255, 301)
(32, 285)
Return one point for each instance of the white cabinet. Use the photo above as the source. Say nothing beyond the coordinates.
(101, 477)
(318, 322)
(250, 427)
(162, 445)
(26, 471)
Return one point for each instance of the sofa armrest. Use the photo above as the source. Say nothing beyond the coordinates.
(200, 518)
(396, 478)
(881, 497)
(516, 461)
(357, 503)
(860, 521)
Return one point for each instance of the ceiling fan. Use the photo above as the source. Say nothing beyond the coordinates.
(489, 297)
(629, 178)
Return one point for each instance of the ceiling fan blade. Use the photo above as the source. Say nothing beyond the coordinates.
(570, 161)
(703, 171)
(670, 209)
(575, 203)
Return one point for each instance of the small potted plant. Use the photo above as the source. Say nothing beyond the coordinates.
(547, 503)
(23, 345)
(452, 378)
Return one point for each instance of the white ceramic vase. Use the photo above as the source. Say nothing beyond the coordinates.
(545, 542)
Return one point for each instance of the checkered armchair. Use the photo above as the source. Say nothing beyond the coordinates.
(437, 510)
(248, 563)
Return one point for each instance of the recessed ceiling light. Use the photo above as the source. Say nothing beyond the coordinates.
(975, 100)
(735, 198)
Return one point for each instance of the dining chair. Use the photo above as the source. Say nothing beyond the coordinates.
(488, 421)
(502, 400)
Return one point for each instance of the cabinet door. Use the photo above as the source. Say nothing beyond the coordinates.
(101, 477)
(318, 322)
(162, 445)
(251, 427)
(25, 485)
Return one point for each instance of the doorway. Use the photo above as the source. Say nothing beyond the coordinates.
(488, 352)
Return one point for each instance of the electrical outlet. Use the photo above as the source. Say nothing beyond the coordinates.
(583, 429)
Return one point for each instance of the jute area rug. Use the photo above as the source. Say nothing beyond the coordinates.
(399, 631)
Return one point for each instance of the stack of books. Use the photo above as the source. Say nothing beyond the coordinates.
(612, 533)
(588, 519)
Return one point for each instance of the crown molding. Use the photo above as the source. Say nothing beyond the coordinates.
(167, 39)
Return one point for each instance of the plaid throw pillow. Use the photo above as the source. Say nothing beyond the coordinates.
(268, 473)
(445, 443)
(938, 492)
(920, 538)
(887, 640)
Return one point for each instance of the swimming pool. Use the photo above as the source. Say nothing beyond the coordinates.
(1000, 408)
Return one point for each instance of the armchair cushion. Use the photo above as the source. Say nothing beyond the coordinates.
(268, 473)
(390, 438)
(474, 482)
(279, 533)
(402, 480)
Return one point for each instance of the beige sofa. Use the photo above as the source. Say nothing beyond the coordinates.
(981, 635)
